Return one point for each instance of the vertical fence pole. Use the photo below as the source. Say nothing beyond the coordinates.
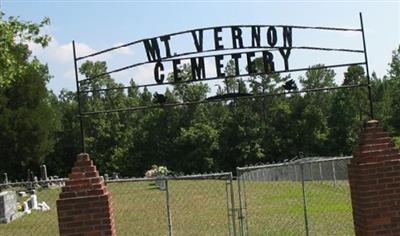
(168, 208)
(245, 206)
(228, 210)
(241, 223)
(232, 204)
(334, 173)
(304, 199)
(367, 69)
(311, 175)
(320, 172)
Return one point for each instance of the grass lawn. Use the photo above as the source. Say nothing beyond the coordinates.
(200, 208)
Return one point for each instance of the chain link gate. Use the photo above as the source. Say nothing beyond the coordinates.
(310, 196)
(186, 205)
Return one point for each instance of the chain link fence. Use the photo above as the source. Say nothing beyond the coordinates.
(308, 196)
(173, 205)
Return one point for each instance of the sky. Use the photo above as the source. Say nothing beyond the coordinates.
(97, 25)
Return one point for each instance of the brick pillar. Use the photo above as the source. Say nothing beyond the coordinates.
(374, 176)
(84, 207)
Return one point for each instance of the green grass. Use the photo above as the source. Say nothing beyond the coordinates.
(276, 208)
(200, 208)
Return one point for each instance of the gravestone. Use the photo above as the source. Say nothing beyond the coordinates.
(5, 178)
(43, 172)
(8, 206)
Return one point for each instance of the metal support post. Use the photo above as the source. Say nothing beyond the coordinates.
(334, 173)
(168, 208)
(367, 69)
(232, 204)
(304, 199)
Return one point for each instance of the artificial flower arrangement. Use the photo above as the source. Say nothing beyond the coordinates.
(157, 171)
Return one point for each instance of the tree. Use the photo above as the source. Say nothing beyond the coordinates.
(66, 136)
(105, 134)
(313, 125)
(15, 35)
(26, 117)
(349, 110)
(391, 99)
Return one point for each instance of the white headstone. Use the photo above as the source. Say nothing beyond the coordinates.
(34, 202)
(43, 172)
(8, 206)
(26, 208)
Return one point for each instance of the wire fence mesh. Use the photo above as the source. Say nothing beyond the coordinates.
(173, 205)
(176, 205)
(309, 196)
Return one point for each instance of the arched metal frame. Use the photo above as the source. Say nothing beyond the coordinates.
(185, 56)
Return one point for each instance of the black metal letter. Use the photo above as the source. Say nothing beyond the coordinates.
(237, 37)
(255, 36)
(157, 69)
(268, 60)
(285, 56)
(176, 70)
(235, 58)
(198, 69)
(250, 64)
(217, 38)
(198, 41)
(271, 36)
(166, 39)
(152, 49)
(287, 36)
(219, 65)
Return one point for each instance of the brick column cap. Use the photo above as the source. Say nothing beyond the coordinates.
(375, 145)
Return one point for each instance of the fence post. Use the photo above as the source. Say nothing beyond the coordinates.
(334, 173)
(227, 194)
(168, 208)
(241, 226)
(320, 172)
(232, 204)
(304, 199)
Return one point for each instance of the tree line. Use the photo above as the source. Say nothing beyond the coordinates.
(40, 127)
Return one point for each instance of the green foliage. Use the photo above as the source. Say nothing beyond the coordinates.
(392, 96)
(27, 120)
(15, 36)
(38, 127)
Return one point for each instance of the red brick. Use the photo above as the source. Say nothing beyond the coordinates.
(374, 177)
(84, 207)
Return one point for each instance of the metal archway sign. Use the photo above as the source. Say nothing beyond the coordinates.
(270, 43)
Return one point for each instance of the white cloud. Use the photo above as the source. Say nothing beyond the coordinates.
(59, 57)
(62, 53)
(144, 74)
(123, 50)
